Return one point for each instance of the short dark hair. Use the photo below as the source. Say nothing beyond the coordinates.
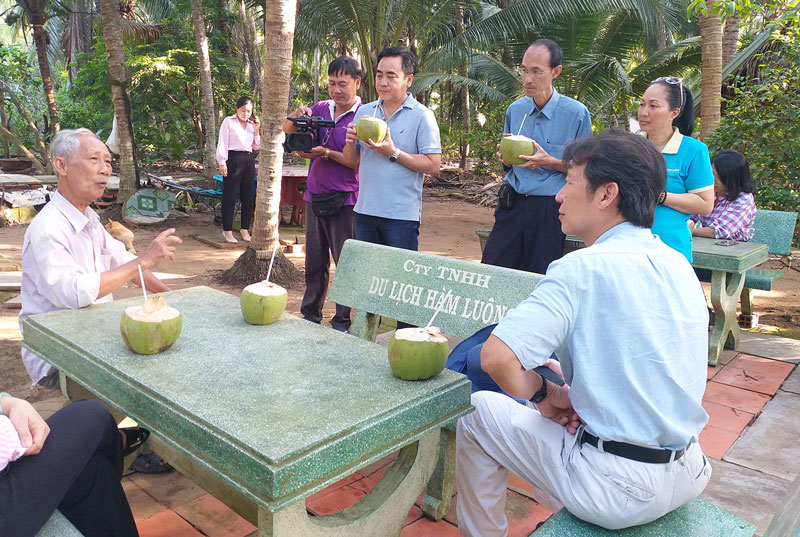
(241, 101)
(631, 161)
(685, 120)
(344, 65)
(408, 57)
(734, 172)
(556, 56)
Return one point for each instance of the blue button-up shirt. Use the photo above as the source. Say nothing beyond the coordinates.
(627, 318)
(558, 123)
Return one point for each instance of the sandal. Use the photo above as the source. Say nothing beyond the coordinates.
(133, 438)
(150, 463)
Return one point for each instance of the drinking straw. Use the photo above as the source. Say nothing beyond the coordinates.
(141, 278)
(375, 111)
(269, 270)
(435, 313)
(523, 122)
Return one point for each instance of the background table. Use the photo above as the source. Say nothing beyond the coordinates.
(727, 265)
(263, 416)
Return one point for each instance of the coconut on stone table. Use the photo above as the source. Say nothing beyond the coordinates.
(417, 353)
(263, 302)
(152, 327)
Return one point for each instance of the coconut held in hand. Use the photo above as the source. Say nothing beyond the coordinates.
(514, 145)
(263, 302)
(152, 327)
(371, 128)
(417, 353)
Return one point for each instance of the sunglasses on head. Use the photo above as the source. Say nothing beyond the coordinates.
(671, 80)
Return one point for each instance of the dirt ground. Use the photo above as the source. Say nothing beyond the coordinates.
(448, 228)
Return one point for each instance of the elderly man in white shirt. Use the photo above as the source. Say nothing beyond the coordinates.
(68, 259)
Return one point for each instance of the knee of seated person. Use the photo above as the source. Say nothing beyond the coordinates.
(484, 400)
(91, 410)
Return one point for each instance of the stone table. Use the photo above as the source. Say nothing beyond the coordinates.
(263, 416)
(727, 265)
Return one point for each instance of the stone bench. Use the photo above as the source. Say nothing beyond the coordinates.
(409, 286)
(776, 230)
(58, 526)
(697, 517)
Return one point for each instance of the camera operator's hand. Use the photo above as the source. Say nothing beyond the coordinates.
(302, 110)
(315, 152)
(385, 148)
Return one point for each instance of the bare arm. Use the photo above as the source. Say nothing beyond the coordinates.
(502, 364)
(350, 156)
(709, 232)
(691, 202)
(162, 247)
(418, 162)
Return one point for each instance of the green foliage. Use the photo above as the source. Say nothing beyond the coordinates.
(482, 139)
(164, 92)
(762, 121)
(26, 84)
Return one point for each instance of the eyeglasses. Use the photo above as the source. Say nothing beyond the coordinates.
(671, 80)
(521, 71)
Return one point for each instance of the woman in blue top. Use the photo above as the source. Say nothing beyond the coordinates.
(666, 117)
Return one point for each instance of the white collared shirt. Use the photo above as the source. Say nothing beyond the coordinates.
(63, 255)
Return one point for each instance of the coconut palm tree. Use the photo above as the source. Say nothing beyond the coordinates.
(119, 78)
(252, 265)
(206, 90)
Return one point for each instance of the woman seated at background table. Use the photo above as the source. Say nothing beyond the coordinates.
(666, 117)
(734, 207)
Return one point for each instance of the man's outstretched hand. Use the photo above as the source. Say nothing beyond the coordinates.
(162, 247)
(558, 408)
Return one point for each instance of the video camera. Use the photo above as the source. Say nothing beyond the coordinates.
(307, 135)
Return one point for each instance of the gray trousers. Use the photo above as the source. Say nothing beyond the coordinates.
(325, 236)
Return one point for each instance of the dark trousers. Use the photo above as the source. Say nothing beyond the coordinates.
(241, 181)
(527, 236)
(78, 472)
(389, 232)
(325, 236)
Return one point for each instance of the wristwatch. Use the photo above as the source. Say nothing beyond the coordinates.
(539, 396)
(394, 156)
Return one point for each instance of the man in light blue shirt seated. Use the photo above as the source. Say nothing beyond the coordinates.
(391, 172)
(617, 444)
(526, 233)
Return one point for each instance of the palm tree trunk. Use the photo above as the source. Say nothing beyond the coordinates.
(206, 92)
(463, 146)
(251, 49)
(711, 45)
(38, 19)
(4, 121)
(252, 265)
(119, 77)
(730, 39)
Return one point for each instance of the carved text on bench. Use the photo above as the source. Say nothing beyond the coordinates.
(486, 311)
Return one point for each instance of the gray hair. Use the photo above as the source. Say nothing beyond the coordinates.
(67, 141)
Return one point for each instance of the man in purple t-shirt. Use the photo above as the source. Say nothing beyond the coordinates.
(332, 188)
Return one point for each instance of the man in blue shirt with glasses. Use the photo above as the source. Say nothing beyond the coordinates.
(526, 233)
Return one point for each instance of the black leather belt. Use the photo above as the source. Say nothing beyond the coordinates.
(631, 451)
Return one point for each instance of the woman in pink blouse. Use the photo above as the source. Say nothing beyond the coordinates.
(238, 141)
(734, 207)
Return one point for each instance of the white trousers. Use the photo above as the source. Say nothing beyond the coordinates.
(598, 487)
